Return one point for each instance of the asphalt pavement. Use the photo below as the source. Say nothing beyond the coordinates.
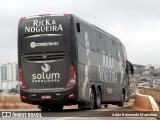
(74, 114)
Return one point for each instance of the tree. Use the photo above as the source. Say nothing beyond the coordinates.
(143, 79)
(1, 91)
(13, 90)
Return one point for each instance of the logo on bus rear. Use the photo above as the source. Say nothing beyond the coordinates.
(33, 44)
(42, 26)
(45, 76)
(46, 68)
(45, 44)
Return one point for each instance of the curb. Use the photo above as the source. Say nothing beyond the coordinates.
(14, 102)
(144, 103)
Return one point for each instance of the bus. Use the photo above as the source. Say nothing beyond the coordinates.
(64, 60)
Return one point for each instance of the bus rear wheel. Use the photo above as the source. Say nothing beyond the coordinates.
(92, 100)
(98, 99)
(56, 108)
(43, 108)
(121, 103)
(90, 105)
(106, 105)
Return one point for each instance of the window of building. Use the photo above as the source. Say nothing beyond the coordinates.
(4, 73)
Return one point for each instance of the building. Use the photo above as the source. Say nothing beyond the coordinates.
(149, 67)
(157, 66)
(9, 76)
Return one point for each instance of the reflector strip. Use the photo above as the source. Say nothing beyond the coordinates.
(43, 35)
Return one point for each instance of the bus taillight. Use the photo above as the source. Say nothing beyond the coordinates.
(72, 76)
(23, 18)
(23, 97)
(22, 84)
(65, 14)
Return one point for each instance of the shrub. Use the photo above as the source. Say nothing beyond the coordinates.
(13, 90)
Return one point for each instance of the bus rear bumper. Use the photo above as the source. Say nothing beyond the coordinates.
(65, 96)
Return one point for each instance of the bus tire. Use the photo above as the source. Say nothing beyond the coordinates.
(43, 108)
(128, 99)
(56, 108)
(106, 105)
(98, 99)
(121, 103)
(90, 105)
(92, 100)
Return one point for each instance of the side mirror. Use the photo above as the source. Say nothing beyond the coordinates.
(129, 68)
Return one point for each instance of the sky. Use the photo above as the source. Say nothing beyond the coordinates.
(135, 22)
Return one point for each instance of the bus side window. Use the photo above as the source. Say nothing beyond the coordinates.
(83, 36)
(110, 46)
(93, 39)
(120, 54)
(107, 46)
(80, 34)
(124, 55)
(78, 27)
(114, 49)
(87, 36)
(100, 43)
(129, 68)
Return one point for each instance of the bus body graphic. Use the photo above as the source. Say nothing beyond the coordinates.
(64, 60)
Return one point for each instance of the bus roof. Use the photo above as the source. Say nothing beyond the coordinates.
(96, 28)
(44, 15)
(79, 19)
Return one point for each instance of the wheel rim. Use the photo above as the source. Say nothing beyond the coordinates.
(92, 99)
(98, 99)
(122, 98)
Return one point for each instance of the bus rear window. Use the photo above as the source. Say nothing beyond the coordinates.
(44, 44)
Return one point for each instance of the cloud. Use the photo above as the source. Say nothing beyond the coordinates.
(135, 22)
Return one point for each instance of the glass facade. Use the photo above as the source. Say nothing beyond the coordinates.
(4, 73)
(17, 72)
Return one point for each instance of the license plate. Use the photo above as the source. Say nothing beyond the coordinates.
(46, 97)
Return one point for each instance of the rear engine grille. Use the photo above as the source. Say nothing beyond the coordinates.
(45, 57)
